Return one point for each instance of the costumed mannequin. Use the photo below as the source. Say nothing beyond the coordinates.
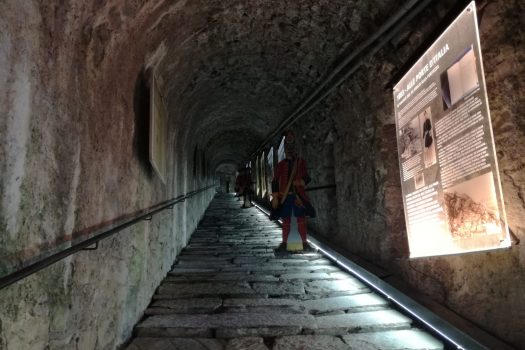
(289, 198)
(248, 191)
(238, 181)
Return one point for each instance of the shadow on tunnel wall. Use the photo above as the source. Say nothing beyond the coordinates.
(141, 110)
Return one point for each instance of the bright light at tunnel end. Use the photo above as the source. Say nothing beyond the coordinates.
(327, 252)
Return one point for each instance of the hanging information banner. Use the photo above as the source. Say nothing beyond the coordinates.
(449, 173)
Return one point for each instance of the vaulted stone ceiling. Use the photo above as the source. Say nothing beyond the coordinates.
(230, 70)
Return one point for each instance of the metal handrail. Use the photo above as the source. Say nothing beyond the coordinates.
(47, 261)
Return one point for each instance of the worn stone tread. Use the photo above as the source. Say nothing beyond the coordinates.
(204, 258)
(224, 276)
(353, 303)
(261, 302)
(279, 268)
(223, 320)
(246, 343)
(196, 305)
(362, 321)
(147, 343)
(190, 271)
(410, 339)
(204, 264)
(267, 305)
(205, 289)
(310, 342)
(347, 285)
(281, 288)
(258, 332)
(230, 295)
(309, 276)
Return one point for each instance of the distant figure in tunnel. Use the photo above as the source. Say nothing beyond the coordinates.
(237, 186)
(289, 197)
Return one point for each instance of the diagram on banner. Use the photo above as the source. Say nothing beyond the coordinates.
(471, 208)
(429, 146)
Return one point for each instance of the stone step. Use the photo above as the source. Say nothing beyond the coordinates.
(227, 251)
(410, 339)
(181, 290)
(352, 303)
(184, 306)
(225, 325)
(393, 340)
(264, 305)
(259, 254)
(261, 302)
(226, 276)
(279, 289)
(304, 342)
(368, 321)
(230, 295)
(190, 270)
(350, 285)
(311, 342)
(148, 343)
(280, 268)
(197, 263)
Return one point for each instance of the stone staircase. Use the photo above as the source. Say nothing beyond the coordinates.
(228, 290)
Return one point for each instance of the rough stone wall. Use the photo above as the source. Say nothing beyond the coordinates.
(70, 161)
(487, 287)
(316, 145)
(73, 74)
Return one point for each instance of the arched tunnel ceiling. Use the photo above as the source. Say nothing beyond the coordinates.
(232, 70)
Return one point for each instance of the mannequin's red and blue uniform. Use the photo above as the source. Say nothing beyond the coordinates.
(296, 196)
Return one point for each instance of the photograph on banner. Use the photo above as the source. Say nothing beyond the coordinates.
(449, 173)
(429, 146)
(459, 79)
(410, 139)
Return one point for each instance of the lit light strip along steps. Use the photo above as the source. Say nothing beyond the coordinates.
(435, 323)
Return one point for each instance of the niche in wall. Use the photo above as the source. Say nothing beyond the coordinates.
(158, 126)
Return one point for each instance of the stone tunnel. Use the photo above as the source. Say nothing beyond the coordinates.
(76, 80)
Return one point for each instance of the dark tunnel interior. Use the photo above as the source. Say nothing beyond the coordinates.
(76, 136)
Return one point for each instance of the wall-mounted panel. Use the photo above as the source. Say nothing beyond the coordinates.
(449, 173)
